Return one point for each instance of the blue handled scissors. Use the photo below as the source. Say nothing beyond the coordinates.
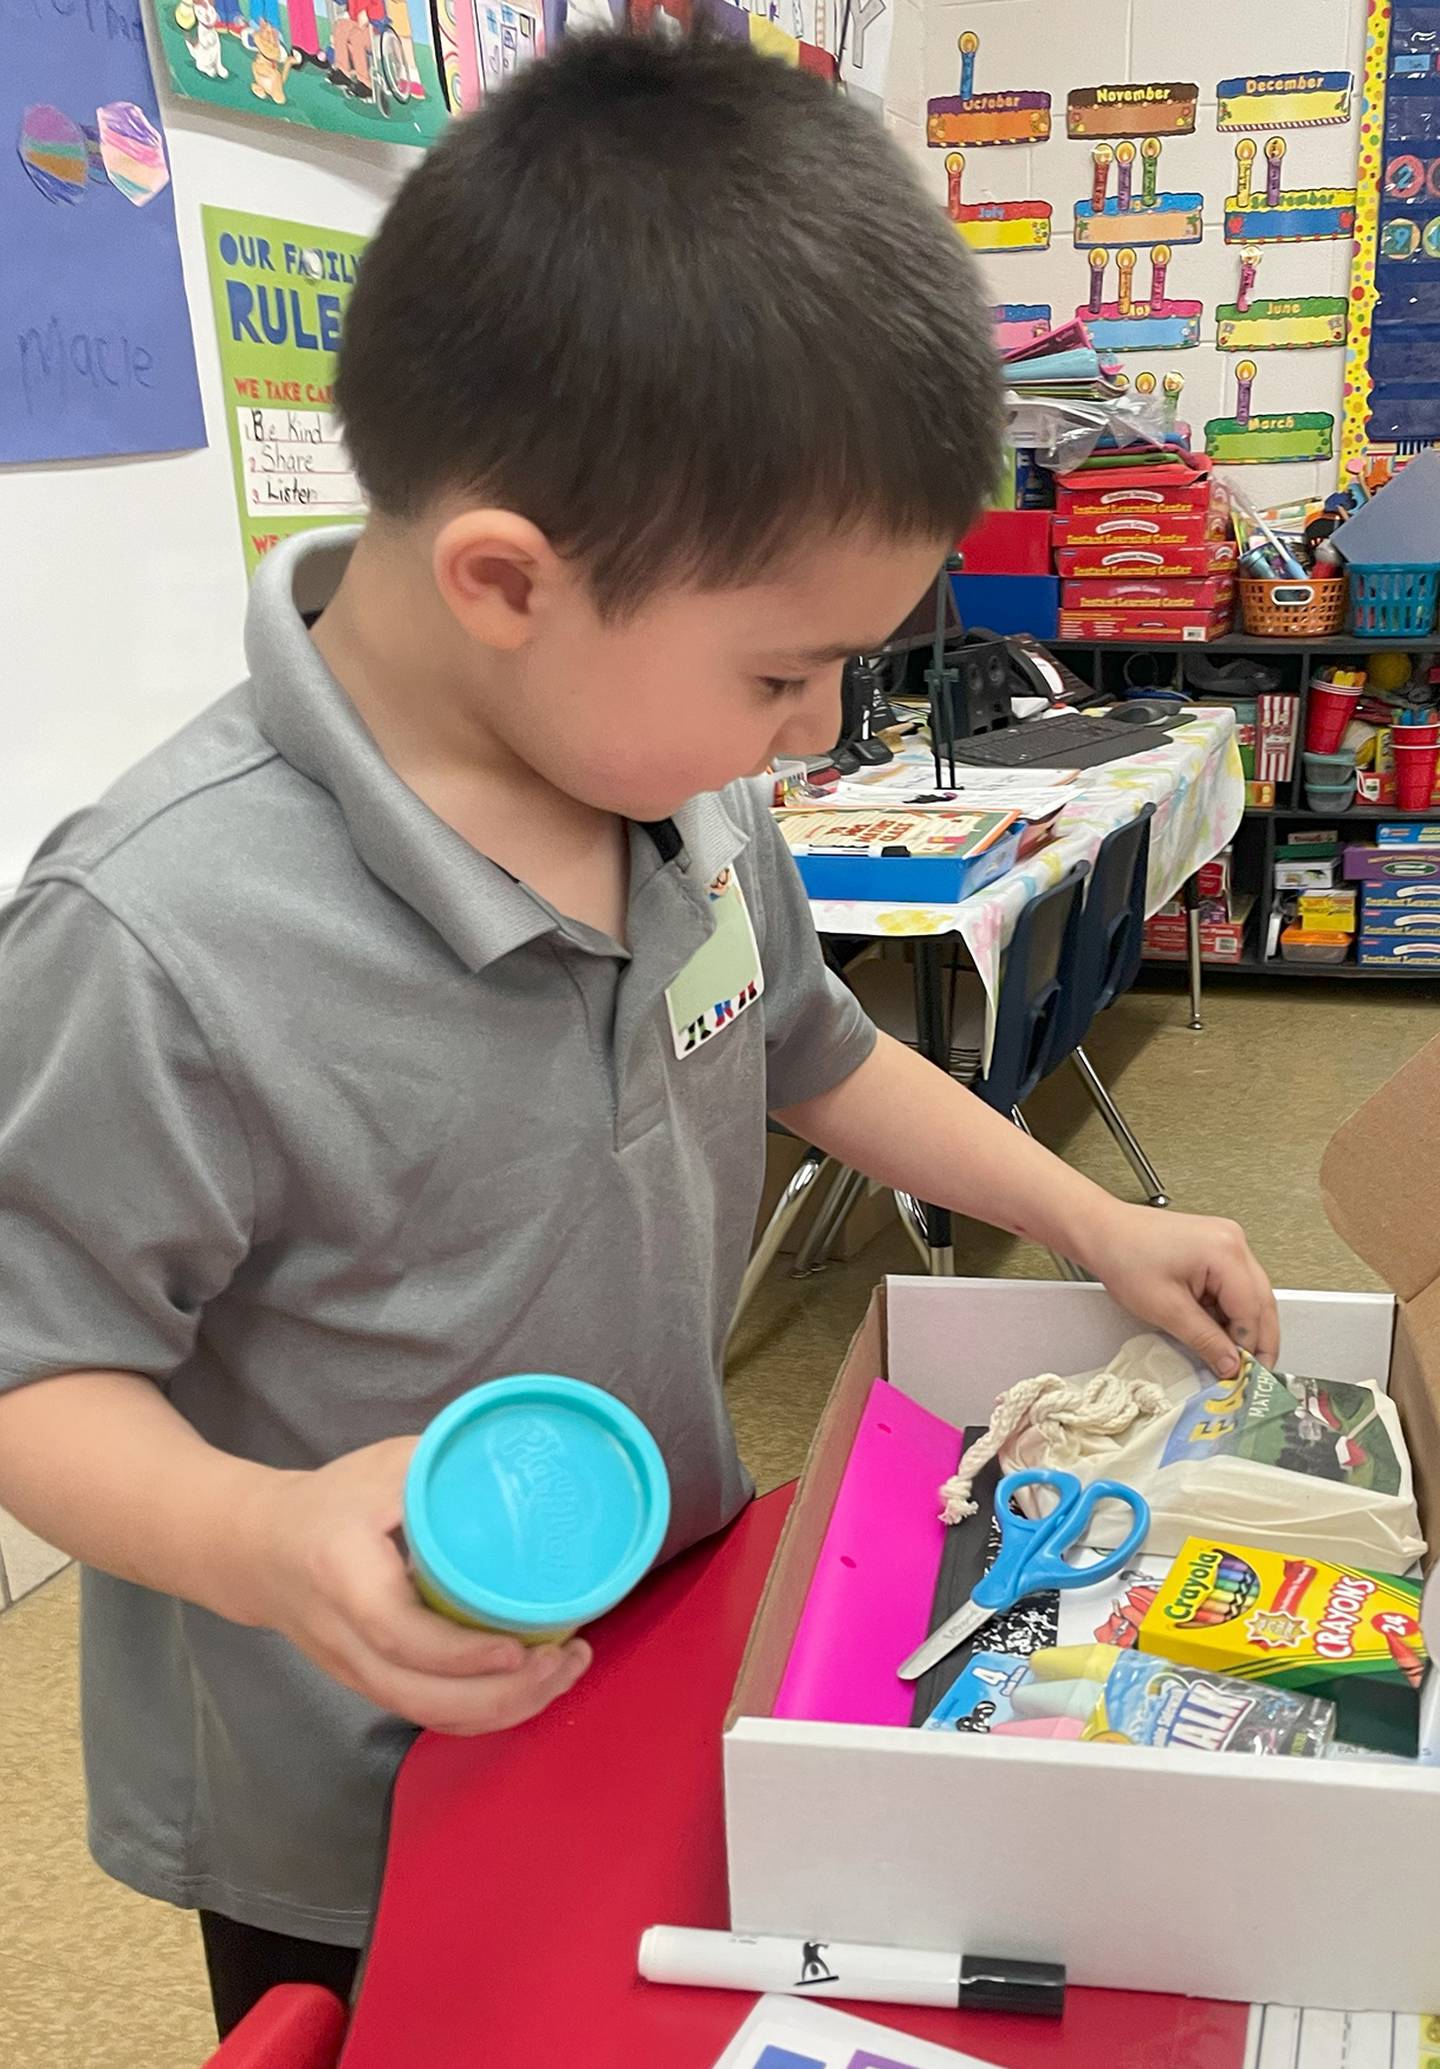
(1032, 1554)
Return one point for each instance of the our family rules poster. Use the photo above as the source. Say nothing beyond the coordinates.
(279, 291)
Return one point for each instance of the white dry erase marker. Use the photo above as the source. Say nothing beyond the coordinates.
(829, 1968)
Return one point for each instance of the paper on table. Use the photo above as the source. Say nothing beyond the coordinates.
(1280, 2037)
(912, 782)
(787, 2033)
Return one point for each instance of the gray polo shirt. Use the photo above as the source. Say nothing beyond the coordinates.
(316, 1117)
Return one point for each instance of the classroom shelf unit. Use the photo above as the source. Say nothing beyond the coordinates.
(1113, 665)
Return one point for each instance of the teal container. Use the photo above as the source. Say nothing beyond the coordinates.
(533, 1505)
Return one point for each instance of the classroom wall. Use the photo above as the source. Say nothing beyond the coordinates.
(122, 580)
(123, 588)
(1056, 45)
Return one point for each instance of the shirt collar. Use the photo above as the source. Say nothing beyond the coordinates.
(478, 910)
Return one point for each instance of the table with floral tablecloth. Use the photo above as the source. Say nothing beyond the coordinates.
(1195, 782)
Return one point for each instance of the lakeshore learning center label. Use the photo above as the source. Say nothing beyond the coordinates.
(279, 292)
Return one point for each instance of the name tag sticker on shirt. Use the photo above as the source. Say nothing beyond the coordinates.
(722, 978)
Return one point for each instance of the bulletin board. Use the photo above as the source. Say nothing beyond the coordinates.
(1392, 369)
(1185, 181)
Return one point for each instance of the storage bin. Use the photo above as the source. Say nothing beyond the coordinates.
(1393, 602)
(1292, 609)
(1008, 603)
(905, 879)
(1330, 797)
(1311, 945)
(1008, 542)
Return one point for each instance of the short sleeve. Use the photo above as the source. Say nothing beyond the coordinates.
(125, 1190)
(816, 1033)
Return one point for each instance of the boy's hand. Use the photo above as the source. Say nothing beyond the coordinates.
(323, 1567)
(1190, 1275)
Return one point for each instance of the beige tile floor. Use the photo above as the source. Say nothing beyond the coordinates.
(1236, 1120)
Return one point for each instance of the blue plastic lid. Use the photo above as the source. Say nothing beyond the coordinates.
(536, 1501)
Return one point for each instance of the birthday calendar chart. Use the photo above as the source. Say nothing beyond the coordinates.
(1198, 210)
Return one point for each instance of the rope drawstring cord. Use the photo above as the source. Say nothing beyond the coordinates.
(1062, 1413)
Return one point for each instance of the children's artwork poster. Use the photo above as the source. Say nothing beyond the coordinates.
(1392, 369)
(96, 355)
(845, 38)
(447, 52)
(358, 68)
(279, 292)
(494, 38)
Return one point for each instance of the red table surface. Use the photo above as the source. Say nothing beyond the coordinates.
(523, 1868)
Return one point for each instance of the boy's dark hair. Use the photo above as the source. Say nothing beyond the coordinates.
(680, 305)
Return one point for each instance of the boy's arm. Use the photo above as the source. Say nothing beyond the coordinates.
(128, 1200)
(101, 1465)
(908, 1125)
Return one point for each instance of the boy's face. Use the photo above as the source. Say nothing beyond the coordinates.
(698, 688)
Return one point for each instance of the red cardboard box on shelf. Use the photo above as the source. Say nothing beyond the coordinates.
(1221, 941)
(1169, 489)
(1212, 878)
(1190, 562)
(1146, 528)
(1008, 542)
(1138, 627)
(1215, 594)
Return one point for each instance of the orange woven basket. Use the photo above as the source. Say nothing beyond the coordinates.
(1293, 609)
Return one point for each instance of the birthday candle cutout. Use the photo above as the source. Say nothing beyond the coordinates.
(1244, 382)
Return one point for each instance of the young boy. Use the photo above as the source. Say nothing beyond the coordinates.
(338, 1066)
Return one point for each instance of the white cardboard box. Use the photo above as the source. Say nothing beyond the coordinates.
(1281, 1881)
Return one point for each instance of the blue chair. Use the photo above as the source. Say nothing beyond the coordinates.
(940, 1007)
(1107, 962)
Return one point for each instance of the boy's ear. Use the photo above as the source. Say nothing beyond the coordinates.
(494, 570)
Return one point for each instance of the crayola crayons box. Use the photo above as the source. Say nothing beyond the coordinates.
(1297, 1623)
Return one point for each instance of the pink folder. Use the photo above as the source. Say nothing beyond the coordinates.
(874, 1582)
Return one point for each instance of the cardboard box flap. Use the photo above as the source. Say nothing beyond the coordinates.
(1380, 1177)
